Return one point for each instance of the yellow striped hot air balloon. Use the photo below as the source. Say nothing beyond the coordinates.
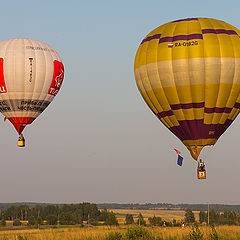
(188, 72)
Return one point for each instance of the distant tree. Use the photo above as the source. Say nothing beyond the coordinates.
(111, 219)
(3, 222)
(213, 217)
(202, 217)
(103, 215)
(230, 217)
(51, 219)
(140, 220)
(129, 219)
(17, 222)
(189, 216)
(155, 221)
(93, 222)
(39, 221)
(168, 224)
(69, 218)
(31, 221)
(174, 223)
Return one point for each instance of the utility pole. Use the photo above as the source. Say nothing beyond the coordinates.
(38, 219)
(208, 213)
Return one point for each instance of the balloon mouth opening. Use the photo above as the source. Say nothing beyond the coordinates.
(20, 122)
(195, 151)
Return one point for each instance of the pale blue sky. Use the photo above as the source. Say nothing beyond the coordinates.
(98, 141)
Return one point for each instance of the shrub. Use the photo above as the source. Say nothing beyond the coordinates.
(17, 222)
(4, 238)
(213, 234)
(114, 236)
(20, 237)
(3, 222)
(155, 221)
(138, 232)
(195, 233)
(31, 221)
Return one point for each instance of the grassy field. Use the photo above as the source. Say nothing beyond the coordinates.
(167, 215)
(99, 233)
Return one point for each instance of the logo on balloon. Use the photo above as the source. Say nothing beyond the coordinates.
(57, 78)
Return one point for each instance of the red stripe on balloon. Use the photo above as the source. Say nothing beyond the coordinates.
(3, 88)
(20, 122)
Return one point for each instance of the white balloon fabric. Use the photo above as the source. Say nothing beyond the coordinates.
(31, 74)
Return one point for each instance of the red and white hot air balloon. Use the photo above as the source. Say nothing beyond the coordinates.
(31, 74)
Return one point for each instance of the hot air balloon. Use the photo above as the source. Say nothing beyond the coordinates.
(31, 74)
(188, 73)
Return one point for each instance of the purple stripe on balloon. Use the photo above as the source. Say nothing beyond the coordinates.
(196, 129)
(187, 106)
(218, 110)
(219, 31)
(188, 37)
(156, 36)
(194, 106)
(181, 37)
(185, 19)
(236, 105)
(165, 114)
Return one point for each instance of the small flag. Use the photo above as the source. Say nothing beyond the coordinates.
(178, 152)
(170, 45)
(180, 160)
(4, 119)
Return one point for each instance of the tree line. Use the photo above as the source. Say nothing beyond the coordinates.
(153, 221)
(169, 206)
(217, 218)
(66, 214)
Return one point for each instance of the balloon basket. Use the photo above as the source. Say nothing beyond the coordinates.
(21, 141)
(21, 144)
(201, 174)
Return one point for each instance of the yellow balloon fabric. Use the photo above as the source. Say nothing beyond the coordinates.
(188, 72)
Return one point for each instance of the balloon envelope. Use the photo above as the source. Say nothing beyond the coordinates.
(188, 72)
(31, 74)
